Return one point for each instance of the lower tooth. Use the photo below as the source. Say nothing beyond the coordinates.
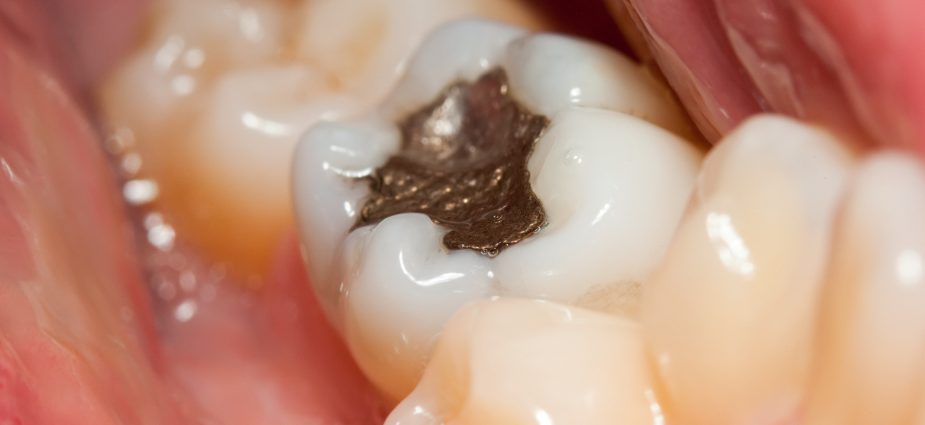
(733, 304)
(400, 263)
(219, 91)
(612, 186)
(510, 361)
(871, 364)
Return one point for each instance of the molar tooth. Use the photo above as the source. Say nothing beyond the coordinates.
(401, 262)
(733, 304)
(613, 188)
(476, 46)
(871, 362)
(510, 361)
(219, 91)
(326, 201)
(551, 73)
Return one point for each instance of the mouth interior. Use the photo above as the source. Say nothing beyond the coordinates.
(463, 163)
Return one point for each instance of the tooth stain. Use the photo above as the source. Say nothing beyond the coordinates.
(463, 163)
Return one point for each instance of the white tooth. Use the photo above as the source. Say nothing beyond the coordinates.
(327, 197)
(871, 363)
(613, 187)
(403, 287)
(730, 312)
(462, 50)
(532, 362)
(551, 73)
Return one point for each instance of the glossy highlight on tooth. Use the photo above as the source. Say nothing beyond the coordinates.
(209, 107)
(609, 169)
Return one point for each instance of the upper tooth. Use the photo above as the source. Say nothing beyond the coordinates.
(525, 362)
(733, 304)
(871, 363)
(613, 187)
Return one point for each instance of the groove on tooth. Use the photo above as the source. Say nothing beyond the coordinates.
(871, 364)
(733, 304)
(613, 185)
(401, 262)
(463, 163)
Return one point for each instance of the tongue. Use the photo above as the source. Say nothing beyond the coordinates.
(850, 65)
(82, 340)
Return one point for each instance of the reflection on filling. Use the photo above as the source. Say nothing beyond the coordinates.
(463, 162)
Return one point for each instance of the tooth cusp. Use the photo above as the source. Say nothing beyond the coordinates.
(463, 163)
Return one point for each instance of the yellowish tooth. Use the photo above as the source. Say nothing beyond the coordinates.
(519, 362)
(730, 313)
(219, 91)
(871, 363)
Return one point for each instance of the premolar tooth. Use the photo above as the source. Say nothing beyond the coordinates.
(614, 187)
(871, 363)
(510, 361)
(733, 305)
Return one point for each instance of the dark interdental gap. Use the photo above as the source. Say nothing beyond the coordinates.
(463, 163)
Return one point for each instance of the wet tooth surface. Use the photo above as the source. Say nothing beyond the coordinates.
(403, 286)
(510, 361)
(871, 363)
(613, 186)
(463, 163)
(734, 303)
(209, 108)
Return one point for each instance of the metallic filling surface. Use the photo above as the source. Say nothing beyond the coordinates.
(463, 163)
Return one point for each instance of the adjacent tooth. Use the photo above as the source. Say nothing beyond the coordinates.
(220, 90)
(871, 363)
(733, 305)
(510, 361)
(613, 187)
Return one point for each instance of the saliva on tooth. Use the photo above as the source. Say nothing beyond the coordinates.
(217, 93)
(503, 163)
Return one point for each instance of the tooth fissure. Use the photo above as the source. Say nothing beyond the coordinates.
(463, 163)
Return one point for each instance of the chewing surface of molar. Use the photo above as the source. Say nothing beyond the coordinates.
(613, 186)
(218, 92)
(733, 305)
(519, 362)
(870, 367)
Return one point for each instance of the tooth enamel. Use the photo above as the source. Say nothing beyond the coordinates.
(613, 186)
(400, 262)
(733, 304)
(379, 35)
(551, 74)
(325, 204)
(219, 91)
(512, 361)
(871, 363)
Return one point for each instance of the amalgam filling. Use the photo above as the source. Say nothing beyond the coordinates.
(463, 163)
